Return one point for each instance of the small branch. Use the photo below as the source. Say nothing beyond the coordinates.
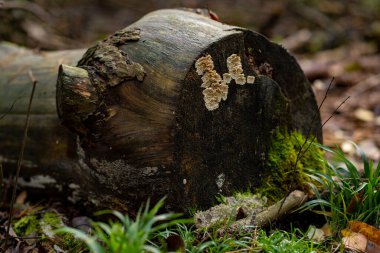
(25, 237)
(254, 219)
(324, 123)
(21, 157)
(9, 109)
(280, 209)
(301, 151)
(335, 111)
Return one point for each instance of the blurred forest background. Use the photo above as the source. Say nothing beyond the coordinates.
(339, 38)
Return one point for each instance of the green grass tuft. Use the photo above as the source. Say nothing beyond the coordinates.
(349, 194)
(124, 234)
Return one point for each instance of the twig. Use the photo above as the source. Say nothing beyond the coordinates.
(20, 158)
(324, 123)
(264, 218)
(295, 199)
(25, 237)
(300, 153)
(9, 109)
(335, 111)
(314, 118)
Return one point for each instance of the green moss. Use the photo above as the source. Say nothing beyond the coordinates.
(26, 225)
(66, 241)
(285, 173)
(53, 219)
(69, 242)
(43, 225)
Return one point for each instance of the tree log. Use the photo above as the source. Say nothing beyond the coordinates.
(149, 112)
(50, 159)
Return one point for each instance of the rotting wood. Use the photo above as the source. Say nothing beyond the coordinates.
(283, 207)
(251, 210)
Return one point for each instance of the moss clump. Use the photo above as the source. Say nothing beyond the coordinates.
(53, 219)
(285, 173)
(69, 242)
(43, 225)
(26, 225)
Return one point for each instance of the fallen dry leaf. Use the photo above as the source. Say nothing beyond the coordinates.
(372, 233)
(355, 241)
(315, 234)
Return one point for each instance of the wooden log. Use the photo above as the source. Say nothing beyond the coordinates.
(150, 112)
(50, 159)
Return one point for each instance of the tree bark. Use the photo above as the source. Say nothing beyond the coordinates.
(141, 124)
(50, 160)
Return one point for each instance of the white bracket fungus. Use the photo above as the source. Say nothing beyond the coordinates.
(235, 69)
(250, 79)
(216, 88)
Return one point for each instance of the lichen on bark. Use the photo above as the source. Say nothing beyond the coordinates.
(111, 64)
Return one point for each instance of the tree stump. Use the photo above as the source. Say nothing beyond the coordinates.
(175, 104)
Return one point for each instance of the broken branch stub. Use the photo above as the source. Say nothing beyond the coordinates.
(76, 97)
(152, 118)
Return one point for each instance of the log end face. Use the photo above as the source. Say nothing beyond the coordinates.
(76, 97)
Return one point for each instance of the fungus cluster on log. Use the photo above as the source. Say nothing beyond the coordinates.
(158, 108)
(215, 88)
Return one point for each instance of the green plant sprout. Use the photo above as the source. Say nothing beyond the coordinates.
(126, 235)
(347, 194)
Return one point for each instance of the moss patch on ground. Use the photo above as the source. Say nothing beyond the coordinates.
(26, 225)
(286, 164)
(43, 226)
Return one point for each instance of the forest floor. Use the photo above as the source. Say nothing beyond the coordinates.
(333, 41)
